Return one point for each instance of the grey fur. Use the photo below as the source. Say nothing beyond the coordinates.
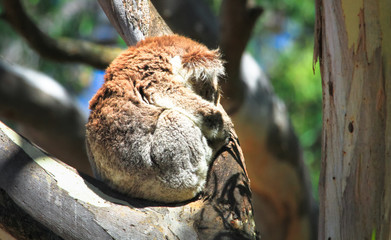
(152, 134)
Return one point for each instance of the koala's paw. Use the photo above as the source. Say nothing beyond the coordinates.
(216, 127)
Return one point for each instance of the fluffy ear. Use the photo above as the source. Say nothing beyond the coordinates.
(203, 64)
(200, 56)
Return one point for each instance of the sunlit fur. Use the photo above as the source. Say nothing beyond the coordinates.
(156, 122)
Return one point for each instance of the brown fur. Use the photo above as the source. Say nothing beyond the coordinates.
(150, 132)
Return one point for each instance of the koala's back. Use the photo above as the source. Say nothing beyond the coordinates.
(149, 134)
(141, 149)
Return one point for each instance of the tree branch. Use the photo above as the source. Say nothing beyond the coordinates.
(134, 20)
(63, 204)
(63, 49)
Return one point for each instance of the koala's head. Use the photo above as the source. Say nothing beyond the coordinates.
(192, 63)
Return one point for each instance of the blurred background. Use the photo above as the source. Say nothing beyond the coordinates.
(281, 43)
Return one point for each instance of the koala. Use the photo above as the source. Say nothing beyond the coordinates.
(156, 123)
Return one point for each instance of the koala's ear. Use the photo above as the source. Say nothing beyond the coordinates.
(203, 64)
(203, 58)
(198, 56)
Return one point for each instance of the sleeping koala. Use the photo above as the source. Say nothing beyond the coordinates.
(156, 123)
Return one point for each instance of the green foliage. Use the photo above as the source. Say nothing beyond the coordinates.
(86, 25)
(301, 90)
(302, 11)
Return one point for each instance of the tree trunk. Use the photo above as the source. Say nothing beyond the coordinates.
(353, 45)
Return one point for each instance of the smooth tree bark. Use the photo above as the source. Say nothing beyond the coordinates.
(352, 42)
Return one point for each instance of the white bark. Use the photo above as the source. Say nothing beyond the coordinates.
(355, 57)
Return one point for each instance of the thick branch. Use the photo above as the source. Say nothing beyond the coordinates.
(53, 195)
(134, 20)
(64, 49)
(45, 111)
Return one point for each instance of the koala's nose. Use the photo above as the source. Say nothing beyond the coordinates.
(214, 121)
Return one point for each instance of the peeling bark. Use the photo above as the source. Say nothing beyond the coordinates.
(356, 147)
